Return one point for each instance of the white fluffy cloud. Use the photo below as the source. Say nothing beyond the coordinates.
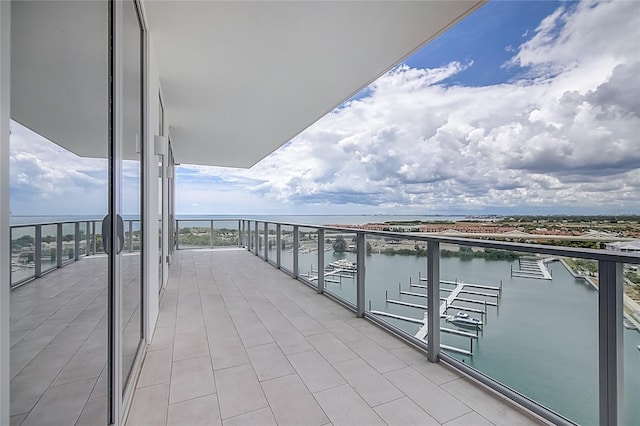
(563, 136)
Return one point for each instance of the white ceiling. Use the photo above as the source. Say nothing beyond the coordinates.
(239, 79)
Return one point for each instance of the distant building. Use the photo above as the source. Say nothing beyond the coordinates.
(624, 246)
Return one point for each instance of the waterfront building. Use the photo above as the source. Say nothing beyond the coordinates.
(142, 334)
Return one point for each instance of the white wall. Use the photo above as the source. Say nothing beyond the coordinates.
(5, 45)
(152, 279)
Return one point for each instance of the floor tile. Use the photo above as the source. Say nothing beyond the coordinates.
(331, 348)
(239, 391)
(493, 408)
(149, 406)
(269, 362)
(314, 371)
(405, 412)
(345, 407)
(60, 405)
(156, 368)
(370, 385)
(191, 378)
(438, 404)
(291, 402)
(378, 357)
(261, 417)
(201, 411)
(470, 419)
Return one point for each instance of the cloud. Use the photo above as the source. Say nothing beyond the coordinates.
(561, 135)
(47, 179)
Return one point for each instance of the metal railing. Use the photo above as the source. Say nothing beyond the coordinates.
(37, 249)
(285, 244)
(351, 273)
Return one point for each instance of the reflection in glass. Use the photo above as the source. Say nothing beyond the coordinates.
(631, 345)
(22, 253)
(131, 282)
(59, 321)
(340, 265)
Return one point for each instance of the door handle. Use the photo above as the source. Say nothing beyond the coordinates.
(106, 233)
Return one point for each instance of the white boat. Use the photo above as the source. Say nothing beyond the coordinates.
(343, 264)
(463, 319)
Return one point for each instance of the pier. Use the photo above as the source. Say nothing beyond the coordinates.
(460, 292)
(532, 267)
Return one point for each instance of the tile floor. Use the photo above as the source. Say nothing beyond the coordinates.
(239, 342)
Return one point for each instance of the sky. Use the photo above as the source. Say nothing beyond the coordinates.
(522, 108)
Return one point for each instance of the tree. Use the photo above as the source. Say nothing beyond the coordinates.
(339, 245)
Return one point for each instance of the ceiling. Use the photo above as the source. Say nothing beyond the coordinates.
(239, 79)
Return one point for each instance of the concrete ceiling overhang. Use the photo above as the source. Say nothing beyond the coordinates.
(240, 79)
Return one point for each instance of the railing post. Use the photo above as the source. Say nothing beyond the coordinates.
(94, 239)
(239, 233)
(88, 238)
(59, 245)
(296, 243)
(610, 350)
(37, 252)
(256, 241)
(433, 300)
(320, 261)
(177, 235)
(130, 239)
(360, 275)
(266, 241)
(76, 248)
(278, 246)
(211, 234)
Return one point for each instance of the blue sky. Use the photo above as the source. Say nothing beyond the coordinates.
(523, 107)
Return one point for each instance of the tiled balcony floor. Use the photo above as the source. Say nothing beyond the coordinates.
(239, 342)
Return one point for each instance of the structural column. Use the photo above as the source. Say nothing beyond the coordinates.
(610, 316)
(296, 244)
(433, 300)
(320, 261)
(360, 274)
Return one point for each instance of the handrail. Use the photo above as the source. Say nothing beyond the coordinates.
(85, 238)
(610, 311)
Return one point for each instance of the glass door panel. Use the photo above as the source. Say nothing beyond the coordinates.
(131, 189)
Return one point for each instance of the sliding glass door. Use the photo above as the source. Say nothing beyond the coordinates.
(128, 185)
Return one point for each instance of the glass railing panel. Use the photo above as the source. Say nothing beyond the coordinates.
(340, 264)
(133, 234)
(252, 236)
(524, 320)
(225, 233)
(308, 254)
(393, 290)
(631, 345)
(194, 234)
(286, 244)
(99, 245)
(261, 240)
(272, 240)
(68, 242)
(49, 247)
(22, 253)
(85, 230)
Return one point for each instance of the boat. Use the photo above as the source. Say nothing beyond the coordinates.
(344, 265)
(463, 319)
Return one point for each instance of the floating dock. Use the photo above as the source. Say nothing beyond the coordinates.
(532, 267)
(458, 291)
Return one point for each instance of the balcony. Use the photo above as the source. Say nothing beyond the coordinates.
(240, 342)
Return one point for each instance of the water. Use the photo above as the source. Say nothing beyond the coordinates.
(542, 340)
